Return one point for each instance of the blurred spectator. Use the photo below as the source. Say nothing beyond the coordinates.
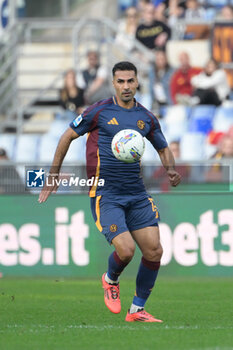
(10, 181)
(176, 12)
(152, 33)
(230, 132)
(123, 5)
(159, 2)
(175, 149)
(194, 10)
(142, 4)
(195, 13)
(181, 87)
(184, 170)
(160, 8)
(225, 148)
(160, 77)
(71, 96)
(211, 86)
(94, 79)
(226, 13)
(214, 137)
(220, 172)
(127, 29)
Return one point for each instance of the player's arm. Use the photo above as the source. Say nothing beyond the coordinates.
(62, 148)
(168, 162)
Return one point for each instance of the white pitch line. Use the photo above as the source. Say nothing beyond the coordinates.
(36, 328)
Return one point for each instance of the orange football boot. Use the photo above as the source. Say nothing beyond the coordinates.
(111, 296)
(140, 316)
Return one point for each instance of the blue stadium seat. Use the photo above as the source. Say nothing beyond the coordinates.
(223, 119)
(150, 154)
(192, 146)
(47, 147)
(219, 3)
(162, 111)
(201, 119)
(175, 122)
(27, 148)
(211, 13)
(8, 142)
(58, 127)
(209, 150)
(77, 151)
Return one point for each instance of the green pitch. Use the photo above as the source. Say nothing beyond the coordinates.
(50, 314)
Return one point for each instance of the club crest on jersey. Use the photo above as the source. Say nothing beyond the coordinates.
(113, 228)
(141, 124)
(78, 120)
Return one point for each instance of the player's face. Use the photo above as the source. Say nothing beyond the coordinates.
(125, 84)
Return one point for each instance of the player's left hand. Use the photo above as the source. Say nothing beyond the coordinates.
(174, 177)
(48, 189)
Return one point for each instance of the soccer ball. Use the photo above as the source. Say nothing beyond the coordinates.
(128, 145)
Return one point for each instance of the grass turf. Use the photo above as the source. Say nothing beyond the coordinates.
(70, 314)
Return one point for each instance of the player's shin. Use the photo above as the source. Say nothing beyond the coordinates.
(115, 267)
(146, 277)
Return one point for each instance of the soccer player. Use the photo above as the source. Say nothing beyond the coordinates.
(122, 209)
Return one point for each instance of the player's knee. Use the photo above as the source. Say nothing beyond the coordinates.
(126, 253)
(160, 252)
(154, 253)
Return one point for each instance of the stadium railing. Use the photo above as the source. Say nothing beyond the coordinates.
(203, 176)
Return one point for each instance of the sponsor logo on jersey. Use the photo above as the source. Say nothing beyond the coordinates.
(141, 124)
(113, 121)
(78, 120)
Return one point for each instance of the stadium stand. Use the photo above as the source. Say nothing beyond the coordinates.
(223, 119)
(36, 53)
(26, 149)
(8, 142)
(192, 146)
(176, 122)
(201, 119)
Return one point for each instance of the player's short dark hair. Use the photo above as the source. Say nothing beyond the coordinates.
(123, 66)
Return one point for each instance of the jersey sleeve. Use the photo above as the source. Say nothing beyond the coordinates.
(155, 135)
(85, 122)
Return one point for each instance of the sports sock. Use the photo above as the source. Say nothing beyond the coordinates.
(115, 267)
(109, 281)
(135, 308)
(147, 274)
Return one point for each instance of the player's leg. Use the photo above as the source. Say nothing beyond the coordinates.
(117, 261)
(149, 243)
(110, 220)
(142, 221)
(122, 255)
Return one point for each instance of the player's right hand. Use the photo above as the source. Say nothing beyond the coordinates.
(50, 186)
(174, 177)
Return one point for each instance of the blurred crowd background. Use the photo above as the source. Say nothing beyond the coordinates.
(56, 59)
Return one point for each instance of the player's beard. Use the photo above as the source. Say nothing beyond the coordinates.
(127, 98)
